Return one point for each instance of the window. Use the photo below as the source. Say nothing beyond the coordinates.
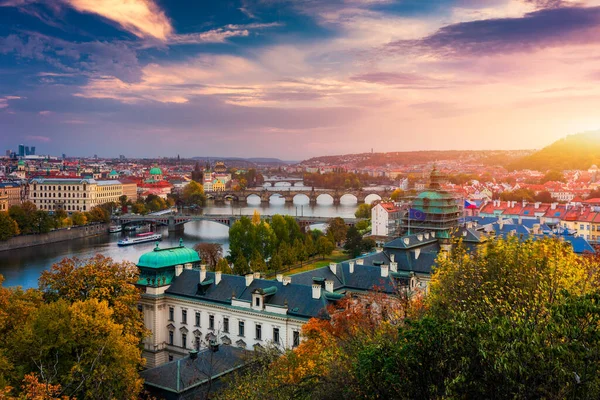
(581, 226)
(197, 345)
(211, 322)
(226, 324)
(241, 328)
(171, 314)
(276, 335)
(184, 316)
(257, 301)
(197, 318)
(183, 340)
(170, 357)
(140, 308)
(258, 332)
(170, 337)
(296, 339)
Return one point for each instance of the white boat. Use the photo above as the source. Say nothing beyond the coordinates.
(115, 228)
(141, 238)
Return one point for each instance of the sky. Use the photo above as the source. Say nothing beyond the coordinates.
(295, 79)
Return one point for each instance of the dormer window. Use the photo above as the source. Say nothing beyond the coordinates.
(257, 301)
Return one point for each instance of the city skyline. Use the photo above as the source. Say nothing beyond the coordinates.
(293, 80)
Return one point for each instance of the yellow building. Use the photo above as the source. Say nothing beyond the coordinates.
(72, 194)
(130, 190)
(3, 202)
(13, 191)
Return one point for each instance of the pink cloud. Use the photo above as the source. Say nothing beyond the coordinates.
(45, 113)
(35, 138)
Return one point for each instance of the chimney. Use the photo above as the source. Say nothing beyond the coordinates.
(193, 354)
(329, 285)
(394, 266)
(500, 223)
(385, 270)
(249, 279)
(217, 277)
(417, 253)
(537, 204)
(178, 270)
(279, 277)
(316, 291)
(257, 275)
(286, 280)
(333, 267)
(520, 220)
(187, 265)
(360, 261)
(214, 346)
(202, 273)
(553, 206)
(392, 257)
(351, 266)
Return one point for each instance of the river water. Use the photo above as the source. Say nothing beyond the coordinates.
(23, 267)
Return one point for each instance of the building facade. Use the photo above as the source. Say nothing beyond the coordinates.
(72, 194)
(13, 191)
(384, 218)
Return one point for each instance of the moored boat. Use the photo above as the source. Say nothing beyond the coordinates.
(141, 238)
(115, 228)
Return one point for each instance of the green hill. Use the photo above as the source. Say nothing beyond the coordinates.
(579, 151)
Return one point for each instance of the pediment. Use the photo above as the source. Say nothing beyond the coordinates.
(225, 340)
(171, 327)
(241, 343)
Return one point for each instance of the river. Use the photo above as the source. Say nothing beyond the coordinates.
(23, 267)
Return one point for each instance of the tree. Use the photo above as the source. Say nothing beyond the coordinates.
(242, 238)
(337, 228)
(518, 195)
(309, 245)
(193, 194)
(255, 218)
(353, 243)
(98, 278)
(258, 262)
(544, 197)
(78, 218)
(80, 347)
(553, 176)
(275, 264)
(210, 253)
(397, 194)
(24, 215)
(286, 252)
(362, 225)
(363, 211)
(265, 239)
(240, 266)
(223, 266)
(324, 246)
(279, 226)
(8, 226)
(300, 251)
(98, 214)
(294, 231)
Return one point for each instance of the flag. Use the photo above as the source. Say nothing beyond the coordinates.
(416, 215)
(470, 205)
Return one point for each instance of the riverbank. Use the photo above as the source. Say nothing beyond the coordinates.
(56, 236)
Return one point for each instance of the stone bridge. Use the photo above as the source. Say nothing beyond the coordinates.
(288, 194)
(175, 222)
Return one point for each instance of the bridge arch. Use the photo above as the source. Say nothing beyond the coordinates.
(349, 198)
(301, 198)
(370, 198)
(325, 199)
(253, 198)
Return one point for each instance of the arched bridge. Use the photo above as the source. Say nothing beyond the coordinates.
(175, 222)
(288, 194)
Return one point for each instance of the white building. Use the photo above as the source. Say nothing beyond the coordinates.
(72, 194)
(384, 217)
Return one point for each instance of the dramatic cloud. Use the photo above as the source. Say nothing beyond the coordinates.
(536, 30)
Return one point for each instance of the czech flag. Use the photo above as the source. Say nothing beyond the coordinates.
(470, 205)
(416, 215)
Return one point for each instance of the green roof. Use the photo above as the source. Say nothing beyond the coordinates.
(21, 162)
(113, 172)
(155, 171)
(160, 258)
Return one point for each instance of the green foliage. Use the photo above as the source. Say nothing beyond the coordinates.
(518, 195)
(241, 266)
(275, 264)
(337, 228)
(8, 226)
(324, 246)
(258, 263)
(363, 211)
(78, 218)
(397, 194)
(223, 266)
(553, 176)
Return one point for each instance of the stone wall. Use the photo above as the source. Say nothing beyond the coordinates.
(59, 235)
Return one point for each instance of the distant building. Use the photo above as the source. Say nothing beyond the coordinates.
(71, 194)
(384, 218)
(13, 191)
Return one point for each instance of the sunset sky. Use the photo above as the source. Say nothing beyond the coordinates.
(295, 79)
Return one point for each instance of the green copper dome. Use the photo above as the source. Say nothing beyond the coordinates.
(155, 171)
(113, 172)
(161, 258)
(21, 162)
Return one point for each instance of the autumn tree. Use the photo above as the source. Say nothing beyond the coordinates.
(223, 266)
(98, 278)
(210, 253)
(78, 218)
(363, 211)
(193, 194)
(397, 194)
(241, 266)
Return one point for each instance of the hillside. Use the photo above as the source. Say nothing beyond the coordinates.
(485, 157)
(579, 151)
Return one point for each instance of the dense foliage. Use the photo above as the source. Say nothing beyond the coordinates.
(78, 336)
(512, 320)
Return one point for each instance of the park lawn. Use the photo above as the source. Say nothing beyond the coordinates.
(336, 257)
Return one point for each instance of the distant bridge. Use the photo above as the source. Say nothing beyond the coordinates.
(289, 194)
(280, 179)
(175, 222)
